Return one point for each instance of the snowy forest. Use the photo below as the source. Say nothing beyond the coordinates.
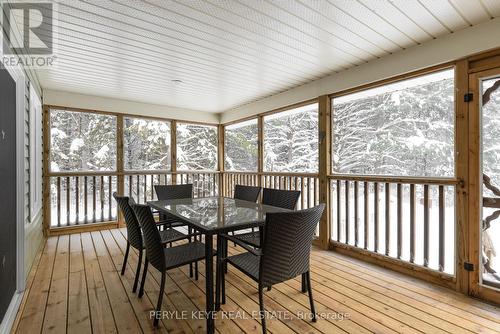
(82, 141)
(398, 131)
(146, 144)
(291, 141)
(196, 147)
(241, 146)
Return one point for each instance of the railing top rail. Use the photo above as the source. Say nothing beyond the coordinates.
(131, 172)
(396, 179)
(291, 174)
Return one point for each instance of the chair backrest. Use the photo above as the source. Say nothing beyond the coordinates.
(152, 239)
(246, 193)
(175, 191)
(287, 244)
(134, 235)
(286, 199)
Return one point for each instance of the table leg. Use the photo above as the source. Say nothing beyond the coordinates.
(209, 280)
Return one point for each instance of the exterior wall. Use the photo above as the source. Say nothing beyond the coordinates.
(451, 47)
(74, 100)
(33, 225)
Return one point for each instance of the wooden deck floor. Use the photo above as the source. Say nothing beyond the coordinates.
(75, 287)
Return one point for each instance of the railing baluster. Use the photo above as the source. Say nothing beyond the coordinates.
(441, 227)
(138, 197)
(110, 195)
(316, 191)
(366, 214)
(68, 203)
(145, 189)
(412, 223)
(356, 214)
(400, 219)
(375, 216)
(58, 201)
(130, 186)
(85, 199)
(387, 218)
(94, 199)
(101, 196)
(339, 231)
(152, 187)
(347, 211)
(77, 200)
(426, 225)
(303, 190)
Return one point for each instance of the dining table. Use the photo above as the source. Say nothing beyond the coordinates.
(213, 216)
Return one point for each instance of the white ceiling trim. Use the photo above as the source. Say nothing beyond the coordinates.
(451, 47)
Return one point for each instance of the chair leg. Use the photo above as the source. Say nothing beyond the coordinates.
(224, 251)
(262, 309)
(304, 283)
(160, 298)
(190, 265)
(125, 259)
(269, 288)
(218, 268)
(141, 289)
(222, 273)
(311, 300)
(196, 270)
(137, 271)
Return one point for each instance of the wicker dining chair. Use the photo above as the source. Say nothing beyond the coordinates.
(286, 199)
(246, 193)
(162, 258)
(285, 254)
(176, 191)
(134, 234)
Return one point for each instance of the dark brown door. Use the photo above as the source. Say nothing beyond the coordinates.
(7, 190)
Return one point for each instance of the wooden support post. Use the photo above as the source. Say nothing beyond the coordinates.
(221, 157)
(120, 166)
(260, 151)
(324, 114)
(173, 151)
(46, 170)
(462, 173)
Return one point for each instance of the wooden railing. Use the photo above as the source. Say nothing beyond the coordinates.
(409, 219)
(306, 183)
(86, 198)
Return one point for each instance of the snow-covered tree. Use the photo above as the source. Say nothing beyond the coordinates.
(82, 141)
(241, 146)
(146, 144)
(196, 147)
(291, 140)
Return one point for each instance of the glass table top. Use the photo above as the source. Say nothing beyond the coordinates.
(217, 213)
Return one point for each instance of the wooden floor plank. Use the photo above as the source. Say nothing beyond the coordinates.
(77, 288)
(325, 269)
(173, 325)
(118, 297)
(448, 299)
(29, 283)
(417, 286)
(55, 320)
(142, 306)
(31, 320)
(78, 299)
(101, 314)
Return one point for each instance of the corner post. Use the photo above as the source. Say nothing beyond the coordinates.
(220, 158)
(173, 150)
(324, 114)
(120, 167)
(46, 170)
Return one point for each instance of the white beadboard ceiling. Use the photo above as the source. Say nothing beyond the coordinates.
(232, 52)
